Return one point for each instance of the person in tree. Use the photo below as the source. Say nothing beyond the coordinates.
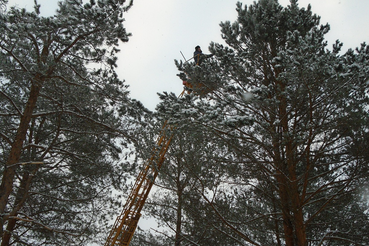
(198, 56)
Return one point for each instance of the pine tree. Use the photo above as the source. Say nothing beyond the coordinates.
(63, 109)
(294, 114)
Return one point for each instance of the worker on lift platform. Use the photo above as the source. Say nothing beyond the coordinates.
(198, 57)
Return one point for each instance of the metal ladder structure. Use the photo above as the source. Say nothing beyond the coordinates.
(126, 223)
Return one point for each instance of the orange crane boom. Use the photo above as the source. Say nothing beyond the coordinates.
(126, 223)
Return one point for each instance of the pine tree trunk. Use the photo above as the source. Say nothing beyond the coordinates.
(18, 204)
(14, 156)
(20, 199)
(291, 184)
(283, 193)
(286, 211)
(298, 219)
(179, 210)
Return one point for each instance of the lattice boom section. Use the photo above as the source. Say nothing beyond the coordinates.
(126, 223)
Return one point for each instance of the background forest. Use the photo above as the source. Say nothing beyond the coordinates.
(270, 146)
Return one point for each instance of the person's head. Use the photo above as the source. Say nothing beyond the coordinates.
(197, 48)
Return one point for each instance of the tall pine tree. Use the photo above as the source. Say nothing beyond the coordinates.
(294, 113)
(63, 111)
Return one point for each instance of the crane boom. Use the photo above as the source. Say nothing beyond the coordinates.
(126, 223)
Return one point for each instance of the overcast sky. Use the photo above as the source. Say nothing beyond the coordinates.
(162, 28)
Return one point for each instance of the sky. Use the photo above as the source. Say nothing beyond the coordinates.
(162, 29)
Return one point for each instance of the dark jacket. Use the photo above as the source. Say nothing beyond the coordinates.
(199, 57)
(196, 56)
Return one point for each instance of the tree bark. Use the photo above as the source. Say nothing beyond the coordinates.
(21, 197)
(179, 220)
(7, 181)
(287, 223)
(179, 209)
(289, 178)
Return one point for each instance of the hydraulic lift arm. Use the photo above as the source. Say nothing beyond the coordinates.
(126, 223)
